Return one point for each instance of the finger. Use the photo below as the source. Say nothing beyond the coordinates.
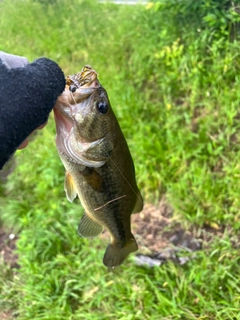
(23, 144)
(42, 126)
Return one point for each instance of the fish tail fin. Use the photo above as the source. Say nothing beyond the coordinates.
(116, 253)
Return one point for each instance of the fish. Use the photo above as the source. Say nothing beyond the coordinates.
(99, 167)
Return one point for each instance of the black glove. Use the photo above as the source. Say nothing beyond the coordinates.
(28, 93)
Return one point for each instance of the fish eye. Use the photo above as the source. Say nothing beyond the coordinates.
(102, 107)
(72, 88)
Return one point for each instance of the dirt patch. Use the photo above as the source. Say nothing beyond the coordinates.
(156, 229)
(7, 247)
(6, 315)
(154, 226)
(161, 237)
(9, 257)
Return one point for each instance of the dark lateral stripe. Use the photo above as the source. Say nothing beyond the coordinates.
(113, 209)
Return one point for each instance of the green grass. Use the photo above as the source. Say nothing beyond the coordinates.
(182, 86)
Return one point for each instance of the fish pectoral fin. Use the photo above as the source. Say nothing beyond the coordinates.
(139, 203)
(89, 228)
(93, 178)
(116, 253)
(69, 187)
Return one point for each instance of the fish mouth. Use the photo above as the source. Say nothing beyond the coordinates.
(78, 88)
(86, 78)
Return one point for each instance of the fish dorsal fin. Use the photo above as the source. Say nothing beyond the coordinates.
(88, 228)
(139, 203)
(69, 187)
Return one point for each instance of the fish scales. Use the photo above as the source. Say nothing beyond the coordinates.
(112, 188)
(99, 166)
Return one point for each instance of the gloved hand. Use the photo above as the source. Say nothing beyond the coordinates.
(28, 92)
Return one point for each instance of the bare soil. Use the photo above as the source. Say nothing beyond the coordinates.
(9, 257)
(154, 226)
(5, 315)
(7, 247)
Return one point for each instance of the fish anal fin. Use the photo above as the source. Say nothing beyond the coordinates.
(139, 203)
(116, 253)
(89, 228)
(69, 187)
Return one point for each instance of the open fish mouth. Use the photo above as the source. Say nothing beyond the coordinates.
(86, 78)
(78, 88)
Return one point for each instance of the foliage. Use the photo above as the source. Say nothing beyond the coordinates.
(220, 18)
(172, 73)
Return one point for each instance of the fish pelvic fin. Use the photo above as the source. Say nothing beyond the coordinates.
(89, 228)
(69, 187)
(116, 253)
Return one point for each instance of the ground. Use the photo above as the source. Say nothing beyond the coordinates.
(155, 229)
(7, 254)
(7, 247)
(159, 235)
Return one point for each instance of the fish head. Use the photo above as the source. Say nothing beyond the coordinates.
(92, 116)
(82, 113)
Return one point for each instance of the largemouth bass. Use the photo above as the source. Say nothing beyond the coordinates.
(99, 166)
